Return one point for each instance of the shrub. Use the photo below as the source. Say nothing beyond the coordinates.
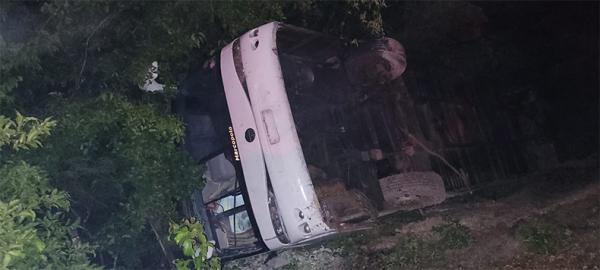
(189, 235)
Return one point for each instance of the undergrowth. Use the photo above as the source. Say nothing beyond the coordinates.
(452, 235)
(412, 251)
(540, 237)
(350, 243)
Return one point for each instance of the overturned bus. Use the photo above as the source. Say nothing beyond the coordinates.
(285, 122)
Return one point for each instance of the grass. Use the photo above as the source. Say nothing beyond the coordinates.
(413, 252)
(388, 224)
(293, 265)
(453, 235)
(540, 237)
(348, 243)
(410, 251)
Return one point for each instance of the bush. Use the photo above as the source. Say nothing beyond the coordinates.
(35, 231)
(190, 237)
(121, 163)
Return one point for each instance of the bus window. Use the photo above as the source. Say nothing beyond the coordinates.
(232, 225)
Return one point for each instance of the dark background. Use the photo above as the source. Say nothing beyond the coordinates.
(559, 41)
(539, 57)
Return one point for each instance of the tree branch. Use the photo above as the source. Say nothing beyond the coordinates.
(168, 255)
(87, 43)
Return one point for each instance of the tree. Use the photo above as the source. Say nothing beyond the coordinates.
(35, 233)
(121, 164)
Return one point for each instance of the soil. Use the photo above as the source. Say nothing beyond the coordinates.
(566, 199)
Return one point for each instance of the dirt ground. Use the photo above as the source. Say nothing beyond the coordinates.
(549, 220)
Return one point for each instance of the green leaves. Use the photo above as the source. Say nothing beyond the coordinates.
(369, 13)
(189, 235)
(34, 232)
(96, 47)
(24, 132)
(38, 244)
(121, 164)
(187, 248)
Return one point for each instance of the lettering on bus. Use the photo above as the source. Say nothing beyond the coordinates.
(236, 154)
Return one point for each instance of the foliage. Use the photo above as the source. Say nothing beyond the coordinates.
(107, 46)
(540, 237)
(350, 19)
(35, 231)
(121, 164)
(190, 237)
(370, 14)
(24, 132)
(453, 235)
